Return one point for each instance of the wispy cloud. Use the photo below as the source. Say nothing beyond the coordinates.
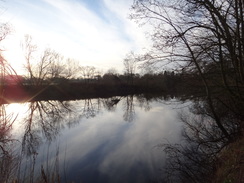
(100, 38)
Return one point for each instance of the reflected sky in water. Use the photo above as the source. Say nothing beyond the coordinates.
(100, 140)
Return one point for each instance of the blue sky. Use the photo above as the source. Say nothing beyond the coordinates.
(94, 32)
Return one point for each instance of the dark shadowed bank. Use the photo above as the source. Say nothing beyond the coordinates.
(71, 91)
(230, 165)
(64, 89)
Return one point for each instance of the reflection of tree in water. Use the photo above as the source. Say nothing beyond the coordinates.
(90, 108)
(194, 160)
(8, 163)
(7, 157)
(44, 120)
(111, 103)
(87, 108)
(129, 110)
(143, 102)
(50, 172)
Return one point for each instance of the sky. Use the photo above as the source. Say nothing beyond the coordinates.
(94, 32)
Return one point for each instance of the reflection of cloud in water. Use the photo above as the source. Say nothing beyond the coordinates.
(93, 136)
(106, 146)
(137, 147)
(117, 147)
(91, 132)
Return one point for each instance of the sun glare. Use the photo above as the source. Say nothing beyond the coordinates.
(15, 113)
(16, 109)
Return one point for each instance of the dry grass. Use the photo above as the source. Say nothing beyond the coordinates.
(230, 168)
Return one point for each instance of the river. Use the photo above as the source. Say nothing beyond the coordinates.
(115, 139)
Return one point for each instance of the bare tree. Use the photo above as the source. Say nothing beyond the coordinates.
(88, 72)
(71, 68)
(200, 36)
(37, 69)
(5, 67)
(130, 63)
(112, 71)
(29, 49)
(48, 65)
(57, 66)
(5, 30)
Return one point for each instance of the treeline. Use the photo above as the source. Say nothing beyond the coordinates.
(109, 84)
(49, 75)
(99, 86)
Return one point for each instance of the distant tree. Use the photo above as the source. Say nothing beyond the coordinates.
(5, 67)
(29, 49)
(48, 65)
(111, 77)
(40, 68)
(112, 71)
(88, 72)
(57, 67)
(130, 64)
(71, 68)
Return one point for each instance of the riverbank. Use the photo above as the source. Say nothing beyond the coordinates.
(72, 91)
(230, 165)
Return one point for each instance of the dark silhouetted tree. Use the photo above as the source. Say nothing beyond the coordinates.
(198, 35)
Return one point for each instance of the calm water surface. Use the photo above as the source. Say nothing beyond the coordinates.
(95, 140)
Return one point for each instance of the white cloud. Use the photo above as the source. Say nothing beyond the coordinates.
(136, 33)
(78, 32)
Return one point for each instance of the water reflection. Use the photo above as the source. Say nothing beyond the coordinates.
(93, 140)
(42, 124)
(44, 119)
(111, 103)
(196, 157)
(90, 108)
(8, 161)
(129, 111)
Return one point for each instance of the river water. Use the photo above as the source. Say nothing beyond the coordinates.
(94, 140)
